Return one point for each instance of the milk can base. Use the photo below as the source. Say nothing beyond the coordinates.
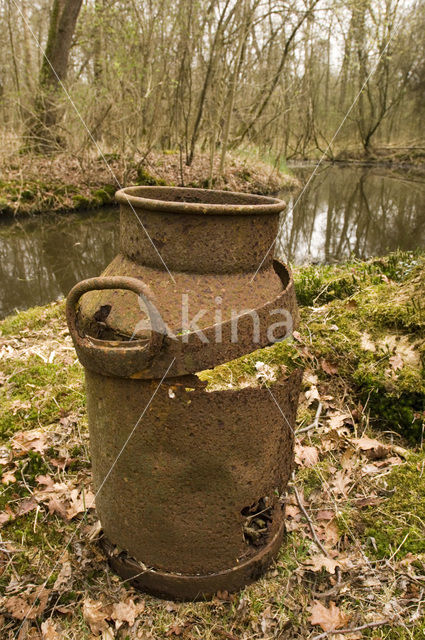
(175, 586)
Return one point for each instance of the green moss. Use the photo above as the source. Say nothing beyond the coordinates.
(363, 315)
(397, 632)
(31, 319)
(283, 357)
(82, 202)
(105, 195)
(400, 520)
(38, 394)
(146, 179)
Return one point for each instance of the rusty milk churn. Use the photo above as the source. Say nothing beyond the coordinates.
(181, 470)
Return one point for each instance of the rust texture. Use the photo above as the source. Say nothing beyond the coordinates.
(194, 498)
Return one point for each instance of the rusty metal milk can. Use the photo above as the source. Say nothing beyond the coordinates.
(180, 470)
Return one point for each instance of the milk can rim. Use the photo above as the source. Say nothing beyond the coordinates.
(254, 204)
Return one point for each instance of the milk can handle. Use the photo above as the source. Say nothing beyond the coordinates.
(158, 329)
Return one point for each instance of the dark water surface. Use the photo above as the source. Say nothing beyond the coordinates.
(344, 212)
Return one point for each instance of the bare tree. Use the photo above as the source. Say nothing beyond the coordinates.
(54, 67)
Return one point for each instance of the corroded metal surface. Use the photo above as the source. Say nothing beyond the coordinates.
(210, 249)
(179, 498)
(177, 586)
(188, 353)
(189, 481)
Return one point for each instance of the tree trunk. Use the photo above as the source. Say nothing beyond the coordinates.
(63, 18)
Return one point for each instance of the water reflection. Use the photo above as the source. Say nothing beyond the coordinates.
(41, 258)
(344, 212)
(353, 212)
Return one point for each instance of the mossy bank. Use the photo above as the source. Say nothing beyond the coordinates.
(31, 184)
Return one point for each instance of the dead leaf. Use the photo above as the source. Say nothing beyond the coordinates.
(126, 611)
(49, 630)
(311, 395)
(292, 511)
(329, 368)
(95, 614)
(64, 576)
(328, 618)
(25, 506)
(8, 477)
(175, 630)
(6, 515)
(80, 502)
(319, 562)
(56, 506)
(324, 514)
(47, 481)
(372, 448)
(338, 419)
(341, 482)
(27, 605)
(34, 440)
(396, 362)
(366, 343)
(331, 533)
(306, 456)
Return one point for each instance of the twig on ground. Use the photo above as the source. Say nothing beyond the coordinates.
(314, 424)
(310, 523)
(368, 625)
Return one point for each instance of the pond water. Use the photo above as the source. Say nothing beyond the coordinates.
(343, 212)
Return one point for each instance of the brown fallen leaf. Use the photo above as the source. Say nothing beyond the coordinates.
(328, 367)
(126, 611)
(329, 618)
(174, 630)
(64, 576)
(34, 440)
(319, 562)
(396, 362)
(312, 394)
(95, 614)
(325, 514)
(25, 506)
(6, 515)
(338, 419)
(27, 605)
(50, 631)
(46, 481)
(292, 511)
(331, 533)
(9, 477)
(366, 343)
(341, 482)
(56, 506)
(373, 449)
(80, 502)
(306, 456)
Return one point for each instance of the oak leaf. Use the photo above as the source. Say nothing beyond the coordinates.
(95, 614)
(49, 630)
(27, 605)
(126, 611)
(329, 618)
(319, 562)
(306, 456)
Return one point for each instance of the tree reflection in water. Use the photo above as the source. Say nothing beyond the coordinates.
(358, 212)
(344, 212)
(42, 257)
